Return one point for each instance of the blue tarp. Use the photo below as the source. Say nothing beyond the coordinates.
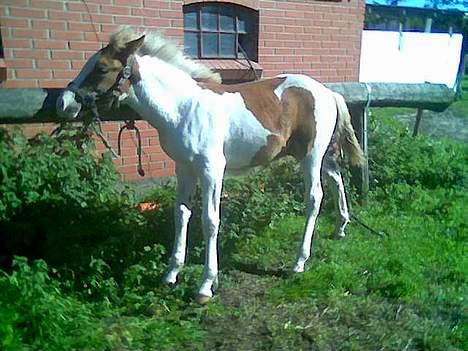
(460, 5)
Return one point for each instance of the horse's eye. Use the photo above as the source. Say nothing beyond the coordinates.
(103, 70)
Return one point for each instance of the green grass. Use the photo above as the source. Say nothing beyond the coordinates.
(101, 286)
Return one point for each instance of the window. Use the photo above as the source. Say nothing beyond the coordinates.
(220, 30)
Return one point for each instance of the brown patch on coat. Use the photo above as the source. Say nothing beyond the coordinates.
(111, 61)
(259, 98)
(291, 119)
(298, 109)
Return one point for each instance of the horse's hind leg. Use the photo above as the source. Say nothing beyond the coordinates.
(313, 198)
(333, 176)
(186, 182)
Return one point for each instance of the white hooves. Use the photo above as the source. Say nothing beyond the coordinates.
(339, 236)
(170, 278)
(298, 268)
(202, 299)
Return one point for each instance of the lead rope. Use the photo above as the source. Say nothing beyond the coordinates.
(130, 125)
(352, 215)
(251, 67)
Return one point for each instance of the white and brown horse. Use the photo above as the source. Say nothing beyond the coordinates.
(208, 128)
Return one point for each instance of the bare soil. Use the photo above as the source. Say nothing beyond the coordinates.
(452, 123)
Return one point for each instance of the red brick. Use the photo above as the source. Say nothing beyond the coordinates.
(157, 22)
(286, 36)
(128, 2)
(19, 63)
(66, 35)
(50, 44)
(21, 12)
(159, 4)
(53, 83)
(128, 151)
(109, 28)
(170, 14)
(80, 27)
(17, 43)
(81, 7)
(36, 53)
(15, 22)
(32, 73)
(30, 33)
(44, 4)
(97, 18)
(163, 173)
(52, 64)
(273, 28)
(84, 45)
(77, 64)
(68, 54)
(144, 12)
(128, 20)
(115, 10)
(271, 13)
(99, 1)
(58, 25)
(64, 15)
(15, 2)
(64, 74)
(158, 156)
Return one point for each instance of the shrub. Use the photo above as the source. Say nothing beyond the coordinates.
(397, 157)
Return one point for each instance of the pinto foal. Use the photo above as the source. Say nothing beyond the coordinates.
(208, 128)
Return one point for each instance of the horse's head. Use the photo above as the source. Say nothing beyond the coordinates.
(100, 76)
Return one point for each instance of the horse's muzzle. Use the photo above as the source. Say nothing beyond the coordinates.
(67, 105)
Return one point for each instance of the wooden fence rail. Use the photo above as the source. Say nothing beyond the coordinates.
(38, 106)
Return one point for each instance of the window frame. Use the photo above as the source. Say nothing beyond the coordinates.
(224, 9)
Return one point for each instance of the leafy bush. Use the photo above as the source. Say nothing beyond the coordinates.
(101, 286)
(397, 157)
(57, 200)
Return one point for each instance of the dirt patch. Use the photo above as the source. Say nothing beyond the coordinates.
(452, 123)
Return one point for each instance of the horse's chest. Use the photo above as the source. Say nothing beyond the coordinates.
(192, 138)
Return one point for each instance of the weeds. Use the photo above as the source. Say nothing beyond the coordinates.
(92, 279)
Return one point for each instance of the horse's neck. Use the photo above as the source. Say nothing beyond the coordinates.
(162, 92)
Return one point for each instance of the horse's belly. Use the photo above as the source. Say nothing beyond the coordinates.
(243, 145)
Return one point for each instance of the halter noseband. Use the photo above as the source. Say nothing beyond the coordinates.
(121, 86)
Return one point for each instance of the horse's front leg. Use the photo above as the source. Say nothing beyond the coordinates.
(211, 184)
(186, 182)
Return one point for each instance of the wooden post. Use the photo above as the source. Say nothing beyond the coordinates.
(360, 176)
(418, 121)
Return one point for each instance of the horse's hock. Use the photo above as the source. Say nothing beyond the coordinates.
(37, 105)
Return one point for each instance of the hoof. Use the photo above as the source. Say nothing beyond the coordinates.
(202, 299)
(298, 269)
(338, 236)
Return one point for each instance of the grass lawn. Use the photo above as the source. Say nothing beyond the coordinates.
(98, 284)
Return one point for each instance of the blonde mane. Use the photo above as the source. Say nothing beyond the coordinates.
(157, 46)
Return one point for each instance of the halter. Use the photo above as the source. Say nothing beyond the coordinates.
(121, 86)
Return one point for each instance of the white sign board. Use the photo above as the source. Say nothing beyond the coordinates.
(410, 57)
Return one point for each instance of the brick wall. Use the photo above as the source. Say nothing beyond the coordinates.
(46, 42)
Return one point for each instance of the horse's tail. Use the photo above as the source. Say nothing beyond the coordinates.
(345, 136)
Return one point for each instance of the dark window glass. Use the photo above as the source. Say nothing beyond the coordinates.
(191, 42)
(209, 45)
(227, 20)
(228, 45)
(209, 18)
(190, 20)
(221, 30)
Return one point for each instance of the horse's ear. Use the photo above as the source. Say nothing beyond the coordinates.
(132, 46)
